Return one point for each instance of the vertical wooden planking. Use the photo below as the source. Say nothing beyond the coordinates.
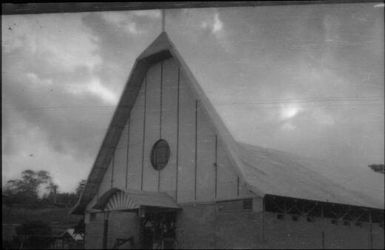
(244, 190)
(195, 149)
(160, 112)
(144, 131)
(186, 141)
(135, 142)
(105, 230)
(127, 152)
(152, 127)
(216, 168)
(177, 138)
(169, 124)
(227, 179)
(205, 156)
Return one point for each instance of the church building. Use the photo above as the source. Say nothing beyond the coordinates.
(169, 174)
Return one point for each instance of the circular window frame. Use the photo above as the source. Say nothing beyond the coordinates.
(160, 154)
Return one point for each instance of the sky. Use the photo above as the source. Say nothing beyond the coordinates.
(306, 79)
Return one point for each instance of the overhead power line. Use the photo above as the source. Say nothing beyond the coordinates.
(368, 100)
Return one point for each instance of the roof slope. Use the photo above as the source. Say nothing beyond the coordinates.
(285, 174)
(160, 49)
(264, 171)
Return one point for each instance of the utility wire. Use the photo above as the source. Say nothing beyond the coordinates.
(318, 100)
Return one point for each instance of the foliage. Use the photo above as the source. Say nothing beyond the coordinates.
(378, 168)
(34, 234)
(26, 190)
(80, 187)
(65, 199)
(22, 200)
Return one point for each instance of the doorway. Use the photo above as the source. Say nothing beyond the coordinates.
(158, 230)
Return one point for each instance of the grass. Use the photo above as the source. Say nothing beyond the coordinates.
(56, 217)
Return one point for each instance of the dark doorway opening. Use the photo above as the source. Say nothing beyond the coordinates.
(158, 230)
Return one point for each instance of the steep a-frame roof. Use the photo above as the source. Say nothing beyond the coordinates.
(264, 171)
(160, 49)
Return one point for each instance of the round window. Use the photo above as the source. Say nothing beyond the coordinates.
(160, 154)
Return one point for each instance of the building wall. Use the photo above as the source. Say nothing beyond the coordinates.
(198, 168)
(206, 226)
(195, 227)
(94, 231)
(121, 225)
(229, 225)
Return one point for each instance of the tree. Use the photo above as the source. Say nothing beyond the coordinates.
(52, 188)
(80, 187)
(26, 190)
(379, 168)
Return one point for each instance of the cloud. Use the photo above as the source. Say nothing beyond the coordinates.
(214, 24)
(123, 22)
(132, 22)
(62, 75)
(288, 126)
(67, 95)
(96, 88)
(37, 86)
(36, 154)
(67, 44)
(154, 14)
(217, 29)
(322, 117)
(290, 110)
(217, 25)
(117, 49)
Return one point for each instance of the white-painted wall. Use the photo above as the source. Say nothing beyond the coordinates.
(156, 107)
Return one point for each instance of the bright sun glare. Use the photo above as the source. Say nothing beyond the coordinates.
(288, 111)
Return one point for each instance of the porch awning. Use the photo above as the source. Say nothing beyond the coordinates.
(117, 199)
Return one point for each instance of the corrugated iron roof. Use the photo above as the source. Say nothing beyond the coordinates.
(285, 174)
(264, 171)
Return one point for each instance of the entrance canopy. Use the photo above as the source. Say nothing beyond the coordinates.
(117, 199)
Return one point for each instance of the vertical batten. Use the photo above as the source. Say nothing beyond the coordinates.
(216, 167)
(144, 130)
(186, 141)
(127, 151)
(227, 179)
(169, 124)
(135, 144)
(177, 138)
(160, 112)
(196, 150)
(150, 175)
(167, 108)
(205, 156)
(161, 100)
